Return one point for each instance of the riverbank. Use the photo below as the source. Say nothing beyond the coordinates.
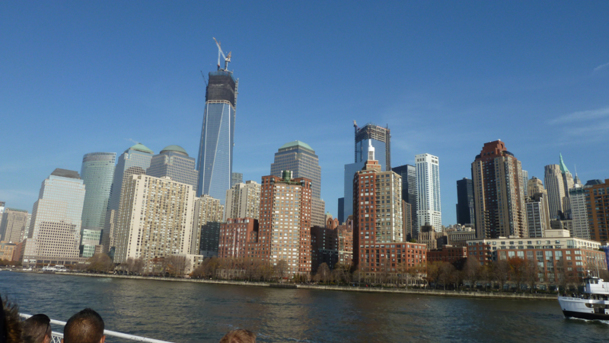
(430, 292)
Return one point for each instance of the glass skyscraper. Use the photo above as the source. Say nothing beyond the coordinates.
(429, 208)
(215, 160)
(97, 172)
(409, 191)
(174, 162)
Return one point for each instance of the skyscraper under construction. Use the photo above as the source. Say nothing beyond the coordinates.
(215, 160)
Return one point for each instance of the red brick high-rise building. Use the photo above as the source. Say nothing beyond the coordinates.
(284, 232)
(235, 235)
(597, 199)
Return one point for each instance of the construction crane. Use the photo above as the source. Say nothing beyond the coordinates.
(221, 53)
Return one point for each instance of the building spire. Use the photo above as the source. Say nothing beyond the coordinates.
(563, 167)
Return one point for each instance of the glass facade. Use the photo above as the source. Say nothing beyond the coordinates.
(175, 164)
(97, 172)
(215, 160)
(409, 190)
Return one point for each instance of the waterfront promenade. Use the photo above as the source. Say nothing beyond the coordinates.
(432, 292)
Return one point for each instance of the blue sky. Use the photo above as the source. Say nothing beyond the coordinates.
(446, 76)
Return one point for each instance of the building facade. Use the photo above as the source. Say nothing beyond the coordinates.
(97, 173)
(498, 193)
(55, 227)
(597, 196)
(300, 158)
(465, 202)
(173, 161)
(579, 212)
(243, 200)
(538, 215)
(155, 219)
(285, 223)
(429, 208)
(409, 192)
(208, 213)
(344, 233)
(13, 225)
(215, 160)
(235, 235)
(556, 190)
(236, 178)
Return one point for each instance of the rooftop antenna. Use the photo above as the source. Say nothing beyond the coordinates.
(221, 53)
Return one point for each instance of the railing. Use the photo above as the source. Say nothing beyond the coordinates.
(56, 337)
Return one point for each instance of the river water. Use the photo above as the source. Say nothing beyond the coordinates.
(196, 312)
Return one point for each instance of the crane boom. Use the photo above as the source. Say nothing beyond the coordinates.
(221, 53)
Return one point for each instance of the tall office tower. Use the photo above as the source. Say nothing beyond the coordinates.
(538, 215)
(208, 215)
(409, 191)
(535, 186)
(300, 158)
(12, 225)
(555, 186)
(134, 160)
(597, 198)
(498, 193)
(579, 211)
(525, 181)
(465, 202)
(380, 138)
(155, 218)
(243, 200)
(341, 210)
(567, 179)
(97, 172)
(56, 219)
(379, 244)
(173, 161)
(215, 160)
(429, 209)
(285, 223)
(236, 178)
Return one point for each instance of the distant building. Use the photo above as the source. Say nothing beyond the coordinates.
(429, 207)
(300, 158)
(54, 235)
(285, 223)
(498, 193)
(324, 247)
(341, 210)
(155, 219)
(210, 239)
(448, 254)
(371, 134)
(344, 234)
(525, 181)
(215, 159)
(598, 199)
(243, 200)
(235, 179)
(409, 193)
(538, 215)
(134, 160)
(460, 238)
(558, 181)
(7, 251)
(13, 225)
(428, 236)
(235, 235)
(535, 186)
(465, 202)
(207, 218)
(173, 161)
(579, 212)
(97, 173)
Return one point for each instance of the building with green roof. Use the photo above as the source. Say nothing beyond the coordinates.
(173, 161)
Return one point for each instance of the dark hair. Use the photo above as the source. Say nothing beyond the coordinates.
(239, 336)
(36, 328)
(86, 326)
(10, 323)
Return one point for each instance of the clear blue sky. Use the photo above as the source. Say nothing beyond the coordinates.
(446, 76)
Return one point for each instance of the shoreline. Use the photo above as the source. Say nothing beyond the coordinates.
(438, 292)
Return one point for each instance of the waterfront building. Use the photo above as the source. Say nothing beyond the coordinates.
(97, 172)
(409, 193)
(54, 233)
(579, 211)
(324, 245)
(155, 219)
(556, 256)
(215, 160)
(447, 253)
(379, 244)
(133, 161)
(8, 251)
(235, 235)
(555, 186)
(208, 213)
(243, 200)
(173, 161)
(498, 193)
(465, 202)
(13, 225)
(459, 238)
(300, 158)
(597, 198)
(371, 134)
(285, 223)
(236, 178)
(429, 209)
(538, 215)
(344, 233)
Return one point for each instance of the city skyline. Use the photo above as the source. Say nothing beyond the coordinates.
(108, 90)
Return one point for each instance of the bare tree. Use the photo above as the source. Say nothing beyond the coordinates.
(471, 271)
(174, 265)
(501, 272)
(281, 269)
(100, 263)
(323, 273)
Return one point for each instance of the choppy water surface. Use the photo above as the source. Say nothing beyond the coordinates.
(194, 312)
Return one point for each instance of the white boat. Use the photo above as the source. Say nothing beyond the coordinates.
(593, 303)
